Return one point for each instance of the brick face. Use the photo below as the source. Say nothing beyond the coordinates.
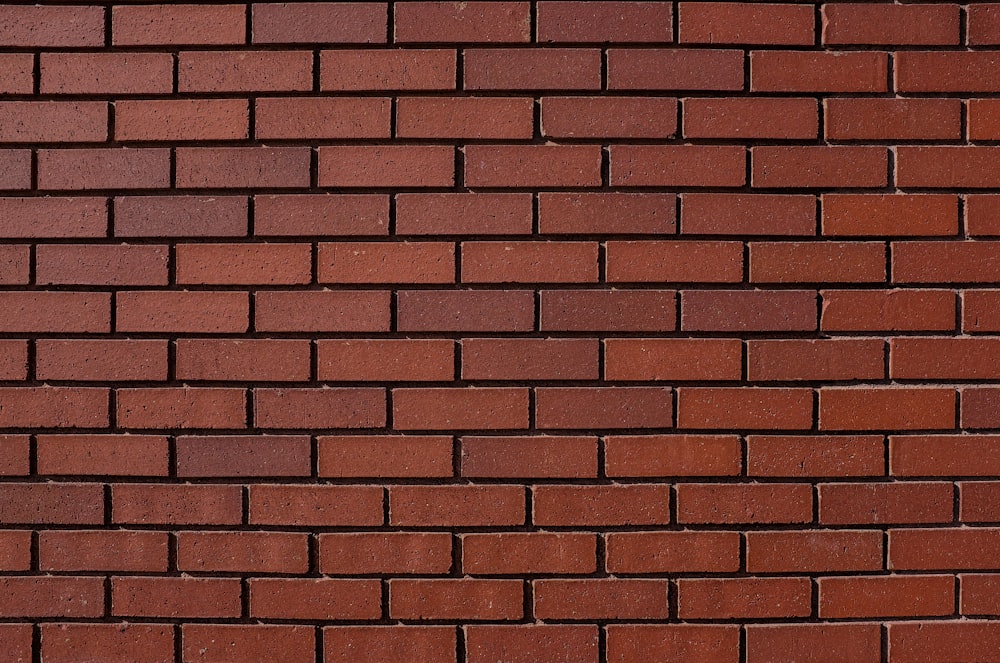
(572, 331)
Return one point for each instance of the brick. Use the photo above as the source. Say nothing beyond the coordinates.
(304, 505)
(248, 642)
(239, 71)
(748, 311)
(330, 22)
(166, 504)
(50, 121)
(180, 216)
(242, 456)
(530, 359)
(673, 552)
(532, 165)
(181, 407)
(242, 167)
(382, 262)
(104, 168)
(123, 455)
(979, 407)
(385, 70)
(183, 597)
(607, 22)
(943, 455)
(390, 360)
(740, 214)
(751, 118)
(463, 213)
(181, 119)
(459, 408)
(878, 408)
(162, 25)
(679, 69)
(598, 213)
(673, 262)
(979, 311)
(106, 73)
(312, 311)
(743, 598)
(603, 407)
(821, 551)
(403, 456)
(314, 118)
(523, 644)
(819, 167)
(480, 22)
(984, 119)
(815, 456)
(17, 642)
(456, 506)
(804, 71)
(121, 551)
(872, 503)
(954, 71)
(15, 264)
(521, 262)
(983, 25)
(743, 23)
(920, 642)
(198, 312)
(496, 600)
(321, 214)
(673, 359)
(529, 553)
(943, 358)
(978, 501)
(978, 594)
(314, 599)
(892, 119)
(14, 455)
(17, 73)
(243, 552)
(15, 550)
(101, 264)
(371, 644)
(632, 643)
(608, 117)
(888, 310)
(943, 549)
(66, 312)
(842, 642)
(671, 455)
(601, 506)
(386, 166)
(900, 596)
(608, 310)
(874, 24)
(678, 165)
(599, 599)
(53, 407)
(141, 643)
(758, 408)
(319, 408)
(243, 264)
(946, 167)
(465, 310)
(464, 117)
(14, 360)
(15, 170)
(827, 360)
(387, 553)
(46, 27)
(64, 597)
(868, 215)
(944, 262)
(532, 69)
(772, 503)
(53, 217)
(263, 360)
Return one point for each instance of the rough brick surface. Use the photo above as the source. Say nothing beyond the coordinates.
(521, 331)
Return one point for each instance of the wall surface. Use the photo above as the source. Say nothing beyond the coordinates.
(520, 332)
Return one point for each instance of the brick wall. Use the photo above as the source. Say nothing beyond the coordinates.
(563, 332)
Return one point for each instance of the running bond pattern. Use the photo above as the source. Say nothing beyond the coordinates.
(440, 332)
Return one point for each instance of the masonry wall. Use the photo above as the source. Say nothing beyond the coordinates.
(564, 332)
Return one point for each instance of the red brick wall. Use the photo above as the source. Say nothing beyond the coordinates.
(562, 332)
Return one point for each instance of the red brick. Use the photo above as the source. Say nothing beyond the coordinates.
(676, 262)
(841, 642)
(15, 552)
(250, 643)
(386, 70)
(984, 119)
(261, 360)
(865, 215)
(532, 165)
(743, 598)
(239, 456)
(740, 214)
(608, 117)
(316, 118)
(893, 119)
(945, 167)
(243, 264)
(50, 121)
(173, 598)
(123, 455)
(495, 600)
(464, 117)
(14, 359)
(181, 407)
(456, 506)
(101, 264)
(390, 360)
(311, 311)
(945, 262)
(671, 455)
(673, 359)
(943, 455)
(145, 25)
(15, 170)
(386, 166)
(242, 167)
(244, 71)
(387, 553)
(820, 551)
(521, 262)
(678, 165)
(893, 596)
(603, 407)
(874, 24)
(532, 69)
(756, 408)
(745, 23)
(922, 642)
(744, 503)
(980, 406)
(873, 503)
(529, 553)
(983, 24)
(66, 312)
(959, 359)
(200, 312)
(321, 214)
(15, 264)
(17, 73)
(805, 71)
(181, 119)
(609, 22)
(120, 551)
(530, 359)
(820, 167)
(180, 216)
(675, 69)
(525, 644)
(53, 407)
(305, 22)
(979, 501)
(104, 168)
(374, 644)
(751, 118)
(978, 594)
(634, 643)
(14, 455)
(828, 360)
(465, 310)
(423, 22)
(599, 599)
(63, 597)
(166, 504)
(415, 456)
(140, 643)
(243, 552)
(593, 213)
(815, 456)
(106, 73)
(45, 27)
(382, 262)
(878, 408)
(888, 310)
(463, 213)
(54, 217)
(946, 71)
(319, 599)
(943, 549)
(673, 552)
(601, 506)
(980, 311)
(608, 310)
(459, 408)
(319, 408)
(315, 506)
